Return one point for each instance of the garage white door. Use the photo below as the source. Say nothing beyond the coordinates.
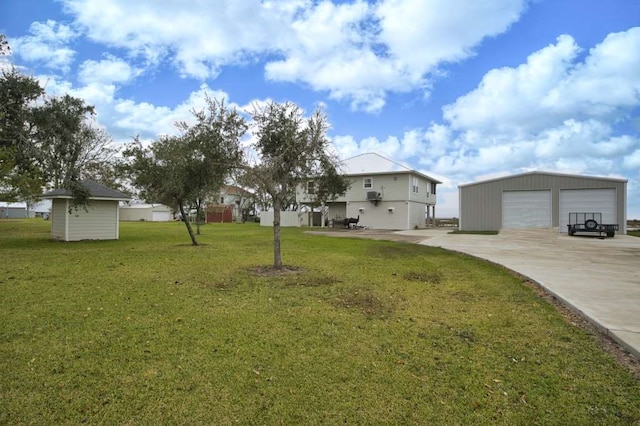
(161, 216)
(587, 201)
(526, 209)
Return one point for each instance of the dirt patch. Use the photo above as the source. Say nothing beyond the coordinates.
(270, 271)
(429, 277)
(364, 301)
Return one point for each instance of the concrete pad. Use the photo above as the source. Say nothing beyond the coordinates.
(598, 277)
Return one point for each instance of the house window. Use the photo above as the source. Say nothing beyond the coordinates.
(433, 188)
(221, 200)
(311, 187)
(414, 186)
(367, 183)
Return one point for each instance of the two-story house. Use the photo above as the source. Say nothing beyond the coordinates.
(384, 194)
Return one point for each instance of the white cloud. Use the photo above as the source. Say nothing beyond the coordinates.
(47, 44)
(551, 88)
(422, 34)
(632, 161)
(199, 37)
(552, 113)
(356, 51)
(107, 71)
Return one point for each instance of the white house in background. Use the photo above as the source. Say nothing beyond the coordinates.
(229, 204)
(13, 210)
(99, 221)
(146, 213)
(384, 194)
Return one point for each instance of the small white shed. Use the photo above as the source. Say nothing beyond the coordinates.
(99, 221)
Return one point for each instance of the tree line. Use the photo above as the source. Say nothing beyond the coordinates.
(51, 142)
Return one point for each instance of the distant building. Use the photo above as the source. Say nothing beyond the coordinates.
(146, 213)
(98, 221)
(384, 194)
(540, 200)
(13, 210)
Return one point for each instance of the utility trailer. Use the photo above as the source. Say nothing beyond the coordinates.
(592, 223)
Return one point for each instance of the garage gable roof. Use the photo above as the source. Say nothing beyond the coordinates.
(544, 174)
(96, 190)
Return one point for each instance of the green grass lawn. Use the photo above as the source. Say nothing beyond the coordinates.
(149, 329)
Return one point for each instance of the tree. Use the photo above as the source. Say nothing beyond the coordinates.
(18, 168)
(63, 138)
(183, 170)
(47, 141)
(291, 148)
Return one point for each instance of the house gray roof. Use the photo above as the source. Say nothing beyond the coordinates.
(372, 163)
(96, 191)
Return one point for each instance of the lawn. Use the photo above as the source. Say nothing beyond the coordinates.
(149, 330)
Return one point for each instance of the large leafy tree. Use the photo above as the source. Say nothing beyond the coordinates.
(47, 141)
(183, 170)
(291, 148)
(19, 171)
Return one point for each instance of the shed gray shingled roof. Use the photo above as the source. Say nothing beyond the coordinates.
(96, 190)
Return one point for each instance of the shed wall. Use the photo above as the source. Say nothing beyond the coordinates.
(481, 203)
(100, 222)
(58, 219)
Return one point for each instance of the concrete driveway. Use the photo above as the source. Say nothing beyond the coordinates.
(598, 277)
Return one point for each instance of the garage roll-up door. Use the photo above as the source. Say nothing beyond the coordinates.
(526, 209)
(161, 216)
(587, 201)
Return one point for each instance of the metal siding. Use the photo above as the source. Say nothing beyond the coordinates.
(480, 208)
(480, 203)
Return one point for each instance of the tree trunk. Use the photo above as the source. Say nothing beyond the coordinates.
(185, 217)
(198, 213)
(277, 258)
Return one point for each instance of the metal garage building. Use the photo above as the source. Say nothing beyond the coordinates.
(540, 200)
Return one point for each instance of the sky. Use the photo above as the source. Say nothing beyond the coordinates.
(461, 90)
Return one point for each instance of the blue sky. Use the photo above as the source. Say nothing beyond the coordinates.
(460, 90)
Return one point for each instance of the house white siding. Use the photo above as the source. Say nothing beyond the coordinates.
(287, 218)
(417, 218)
(400, 196)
